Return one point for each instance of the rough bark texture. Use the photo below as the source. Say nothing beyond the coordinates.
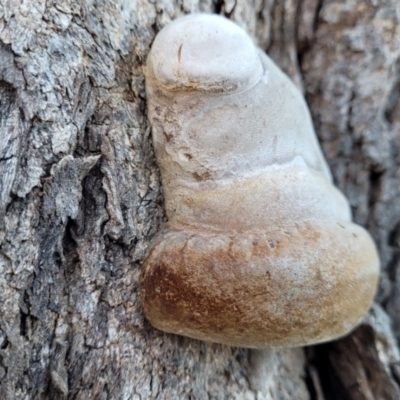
(80, 198)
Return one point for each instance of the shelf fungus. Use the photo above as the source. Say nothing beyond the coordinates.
(259, 249)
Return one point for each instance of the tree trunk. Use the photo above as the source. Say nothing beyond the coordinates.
(80, 198)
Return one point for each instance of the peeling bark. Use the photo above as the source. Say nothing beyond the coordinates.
(80, 198)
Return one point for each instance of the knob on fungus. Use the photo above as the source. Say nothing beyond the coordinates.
(259, 249)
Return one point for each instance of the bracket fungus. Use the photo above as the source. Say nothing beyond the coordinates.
(259, 249)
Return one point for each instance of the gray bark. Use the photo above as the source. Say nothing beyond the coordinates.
(80, 198)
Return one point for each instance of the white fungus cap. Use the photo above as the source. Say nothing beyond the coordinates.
(259, 249)
(232, 132)
(205, 52)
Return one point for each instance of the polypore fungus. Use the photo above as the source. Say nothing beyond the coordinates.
(259, 249)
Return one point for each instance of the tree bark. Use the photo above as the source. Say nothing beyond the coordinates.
(80, 198)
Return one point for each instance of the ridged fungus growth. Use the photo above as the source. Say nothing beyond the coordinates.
(259, 249)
